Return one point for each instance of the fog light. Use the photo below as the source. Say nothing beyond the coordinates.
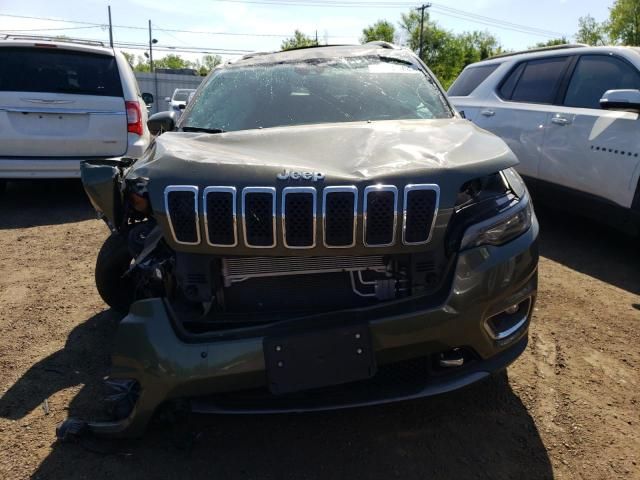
(452, 358)
(508, 322)
(139, 203)
(512, 309)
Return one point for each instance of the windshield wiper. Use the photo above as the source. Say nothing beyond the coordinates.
(204, 130)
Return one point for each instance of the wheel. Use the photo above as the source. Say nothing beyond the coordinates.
(3, 186)
(113, 261)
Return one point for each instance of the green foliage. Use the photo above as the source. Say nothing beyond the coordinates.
(204, 66)
(445, 52)
(552, 43)
(131, 58)
(209, 62)
(381, 30)
(298, 40)
(624, 22)
(591, 32)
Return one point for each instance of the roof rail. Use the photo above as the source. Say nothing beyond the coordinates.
(541, 49)
(383, 44)
(96, 43)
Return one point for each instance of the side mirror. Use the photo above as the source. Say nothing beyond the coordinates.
(622, 100)
(162, 122)
(167, 99)
(182, 106)
(147, 98)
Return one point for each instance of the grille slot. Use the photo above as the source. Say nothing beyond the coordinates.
(299, 217)
(220, 216)
(340, 214)
(237, 269)
(259, 216)
(380, 215)
(181, 204)
(420, 210)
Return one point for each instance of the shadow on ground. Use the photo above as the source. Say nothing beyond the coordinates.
(33, 203)
(482, 432)
(591, 248)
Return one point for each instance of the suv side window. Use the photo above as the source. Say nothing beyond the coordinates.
(594, 75)
(470, 79)
(535, 81)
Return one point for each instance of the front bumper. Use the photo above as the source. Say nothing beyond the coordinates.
(167, 365)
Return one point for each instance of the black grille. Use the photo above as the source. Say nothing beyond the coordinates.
(339, 218)
(298, 219)
(419, 216)
(258, 211)
(220, 225)
(380, 217)
(182, 213)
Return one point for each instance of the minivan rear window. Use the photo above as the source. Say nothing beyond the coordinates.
(470, 79)
(58, 71)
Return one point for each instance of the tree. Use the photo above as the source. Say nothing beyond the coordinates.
(381, 30)
(131, 58)
(211, 61)
(172, 61)
(298, 40)
(552, 43)
(444, 52)
(624, 22)
(591, 32)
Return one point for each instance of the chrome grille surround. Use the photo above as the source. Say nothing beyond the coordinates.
(268, 190)
(299, 190)
(327, 191)
(232, 191)
(386, 228)
(374, 189)
(419, 187)
(182, 188)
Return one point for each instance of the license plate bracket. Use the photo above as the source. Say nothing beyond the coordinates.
(319, 359)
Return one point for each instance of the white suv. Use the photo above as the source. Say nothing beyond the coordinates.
(570, 114)
(62, 102)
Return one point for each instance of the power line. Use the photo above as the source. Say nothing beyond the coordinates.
(438, 8)
(168, 30)
(49, 29)
(446, 11)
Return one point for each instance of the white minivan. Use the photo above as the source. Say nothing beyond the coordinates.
(571, 115)
(64, 101)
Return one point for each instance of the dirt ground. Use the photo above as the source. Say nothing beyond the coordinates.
(570, 407)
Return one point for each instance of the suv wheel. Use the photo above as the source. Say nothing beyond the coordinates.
(113, 261)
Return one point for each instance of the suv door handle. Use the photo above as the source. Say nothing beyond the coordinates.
(558, 120)
(487, 113)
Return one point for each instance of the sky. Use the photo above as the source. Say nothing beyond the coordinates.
(233, 26)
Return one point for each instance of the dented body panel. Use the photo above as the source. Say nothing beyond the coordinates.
(208, 321)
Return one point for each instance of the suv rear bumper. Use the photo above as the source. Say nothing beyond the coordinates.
(151, 351)
(43, 168)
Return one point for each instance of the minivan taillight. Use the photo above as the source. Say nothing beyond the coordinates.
(134, 117)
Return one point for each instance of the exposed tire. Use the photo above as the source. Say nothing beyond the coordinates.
(113, 261)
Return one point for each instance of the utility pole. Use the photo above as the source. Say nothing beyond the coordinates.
(422, 8)
(152, 67)
(110, 28)
(316, 37)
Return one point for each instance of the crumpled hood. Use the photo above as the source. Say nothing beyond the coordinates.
(347, 150)
(447, 152)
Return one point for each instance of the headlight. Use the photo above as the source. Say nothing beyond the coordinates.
(489, 210)
(502, 228)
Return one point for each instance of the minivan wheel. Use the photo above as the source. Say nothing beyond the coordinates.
(113, 262)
